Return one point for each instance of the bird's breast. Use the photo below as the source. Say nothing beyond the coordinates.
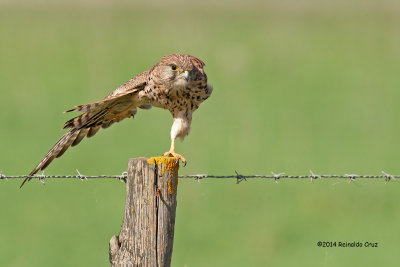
(179, 97)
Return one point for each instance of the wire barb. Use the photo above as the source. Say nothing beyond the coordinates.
(240, 178)
(2, 176)
(388, 177)
(42, 178)
(198, 177)
(81, 176)
(351, 176)
(123, 177)
(277, 176)
(314, 176)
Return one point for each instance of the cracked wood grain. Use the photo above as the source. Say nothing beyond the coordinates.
(147, 232)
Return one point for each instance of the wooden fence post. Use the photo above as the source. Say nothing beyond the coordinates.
(147, 232)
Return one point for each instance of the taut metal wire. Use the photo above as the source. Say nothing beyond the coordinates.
(239, 177)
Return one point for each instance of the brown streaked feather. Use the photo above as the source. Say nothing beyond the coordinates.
(65, 146)
(155, 86)
(93, 131)
(53, 152)
(81, 135)
(146, 106)
(118, 105)
(83, 108)
(134, 85)
(107, 124)
(93, 114)
(106, 114)
(198, 63)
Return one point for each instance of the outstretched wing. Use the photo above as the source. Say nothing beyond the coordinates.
(120, 104)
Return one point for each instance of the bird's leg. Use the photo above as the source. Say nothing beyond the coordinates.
(171, 152)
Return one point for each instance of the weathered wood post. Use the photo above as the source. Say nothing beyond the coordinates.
(147, 232)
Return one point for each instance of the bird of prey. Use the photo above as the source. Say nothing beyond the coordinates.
(177, 83)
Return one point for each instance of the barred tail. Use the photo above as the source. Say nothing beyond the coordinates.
(97, 115)
(72, 137)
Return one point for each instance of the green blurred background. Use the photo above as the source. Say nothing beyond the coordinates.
(298, 85)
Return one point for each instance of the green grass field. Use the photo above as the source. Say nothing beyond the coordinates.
(296, 87)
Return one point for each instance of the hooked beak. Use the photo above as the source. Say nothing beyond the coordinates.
(185, 75)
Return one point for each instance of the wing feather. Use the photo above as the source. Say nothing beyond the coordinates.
(53, 152)
(82, 133)
(115, 107)
(93, 131)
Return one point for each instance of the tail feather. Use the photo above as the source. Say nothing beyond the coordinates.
(87, 119)
(67, 144)
(82, 133)
(93, 131)
(96, 115)
(60, 147)
(85, 107)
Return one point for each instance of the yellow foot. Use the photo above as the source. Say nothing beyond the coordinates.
(175, 155)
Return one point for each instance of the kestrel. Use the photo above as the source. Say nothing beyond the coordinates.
(177, 83)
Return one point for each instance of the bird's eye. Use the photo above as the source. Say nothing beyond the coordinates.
(174, 67)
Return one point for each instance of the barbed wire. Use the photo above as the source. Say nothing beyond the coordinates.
(239, 177)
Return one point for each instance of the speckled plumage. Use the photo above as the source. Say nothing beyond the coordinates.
(177, 83)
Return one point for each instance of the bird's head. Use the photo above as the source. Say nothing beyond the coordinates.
(180, 70)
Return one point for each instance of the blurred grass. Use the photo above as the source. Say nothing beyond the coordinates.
(296, 87)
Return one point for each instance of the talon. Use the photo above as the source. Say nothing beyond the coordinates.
(175, 155)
